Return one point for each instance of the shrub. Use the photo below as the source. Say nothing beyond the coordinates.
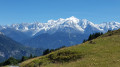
(11, 61)
(64, 56)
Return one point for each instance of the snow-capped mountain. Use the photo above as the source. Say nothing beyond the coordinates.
(71, 25)
(70, 29)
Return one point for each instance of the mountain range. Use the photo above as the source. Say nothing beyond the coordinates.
(11, 48)
(56, 33)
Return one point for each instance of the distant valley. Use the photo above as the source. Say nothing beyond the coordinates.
(11, 48)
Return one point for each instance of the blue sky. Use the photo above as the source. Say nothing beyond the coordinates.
(19, 11)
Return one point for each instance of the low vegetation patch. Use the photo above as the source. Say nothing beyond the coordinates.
(59, 56)
(64, 56)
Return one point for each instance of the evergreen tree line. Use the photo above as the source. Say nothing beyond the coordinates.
(47, 51)
(93, 36)
(13, 61)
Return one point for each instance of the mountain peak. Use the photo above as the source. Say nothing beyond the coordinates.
(72, 18)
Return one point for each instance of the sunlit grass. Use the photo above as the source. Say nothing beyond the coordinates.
(104, 52)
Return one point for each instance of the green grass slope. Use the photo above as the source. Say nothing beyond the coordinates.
(103, 51)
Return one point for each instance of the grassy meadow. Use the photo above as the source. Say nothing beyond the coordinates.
(103, 51)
